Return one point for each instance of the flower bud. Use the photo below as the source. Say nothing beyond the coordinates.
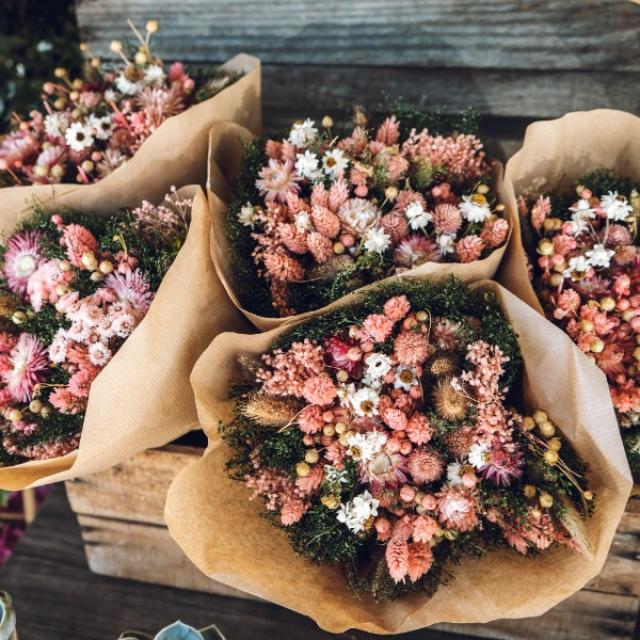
(311, 456)
(547, 429)
(302, 469)
(546, 500)
(327, 122)
(116, 46)
(551, 457)
(151, 26)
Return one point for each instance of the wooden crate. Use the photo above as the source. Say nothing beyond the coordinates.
(120, 512)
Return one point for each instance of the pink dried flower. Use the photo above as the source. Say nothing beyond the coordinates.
(411, 348)
(494, 232)
(416, 250)
(457, 509)
(425, 465)
(424, 528)
(310, 419)
(27, 363)
(22, 257)
(42, 287)
(378, 326)
(397, 557)
(469, 248)
(407, 197)
(419, 429)
(278, 179)
(326, 222)
(320, 247)
(294, 239)
(447, 218)
(78, 240)
(131, 288)
(282, 267)
(540, 212)
(319, 390)
(66, 402)
(420, 560)
(397, 307)
(388, 132)
(80, 382)
(395, 226)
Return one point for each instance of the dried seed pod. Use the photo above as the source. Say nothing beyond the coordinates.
(269, 411)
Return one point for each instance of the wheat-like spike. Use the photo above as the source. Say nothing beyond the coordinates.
(573, 522)
(269, 411)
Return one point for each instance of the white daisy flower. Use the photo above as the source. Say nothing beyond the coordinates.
(127, 87)
(473, 209)
(307, 165)
(478, 454)
(365, 402)
(357, 512)
(378, 365)
(417, 216)
(377, 240)
(600, 256)
(578, 265)
(406, 378)
(154, 74)
(302, 220)
(78, 136)
(334, 163)
(302, 134)
(55, 124)
(584, 209)
(247, 215)
(616, 206)
(446, 242)
(364, 446)
(102, 127)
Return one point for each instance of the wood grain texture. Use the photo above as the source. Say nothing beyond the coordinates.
(58, 598)
(495, 34)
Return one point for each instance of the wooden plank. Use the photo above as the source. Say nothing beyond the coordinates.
(145, 553)
(621, 572)
(532, 94)
(585, 616)
(58, 598)
(495, 34)
(134, 490)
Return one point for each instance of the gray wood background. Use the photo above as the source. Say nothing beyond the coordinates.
(513, 60)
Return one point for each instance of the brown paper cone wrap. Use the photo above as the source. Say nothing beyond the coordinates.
(554, 156)
(174, 154)
(212, 519)
(225, 155)
(143, 398)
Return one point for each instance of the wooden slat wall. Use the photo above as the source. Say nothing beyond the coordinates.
(507, 58)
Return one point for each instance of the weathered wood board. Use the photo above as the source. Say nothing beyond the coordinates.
(522, 58)
(120, 512)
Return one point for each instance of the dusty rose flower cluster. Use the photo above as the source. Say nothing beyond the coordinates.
(371, 203)
(405, 442)
(92, 124)
(68, 302)
(589, 283)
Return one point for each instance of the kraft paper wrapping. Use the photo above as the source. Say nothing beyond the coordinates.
(225, 154)
(221, 531)
(174, 154)
(143, 398)
(554, 155)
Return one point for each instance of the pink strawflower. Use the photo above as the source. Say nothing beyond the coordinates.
(394, 419)
(22, 257)
(28, 363)
(447, 218)
(411, 348)
(278, 179)
(388, 132)
(378, 326)
(424, 528)
(425, 465)
(457, 509)
(319, 390)
(469, 248)
(415, 250)
(131, 288)
(80, 382)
